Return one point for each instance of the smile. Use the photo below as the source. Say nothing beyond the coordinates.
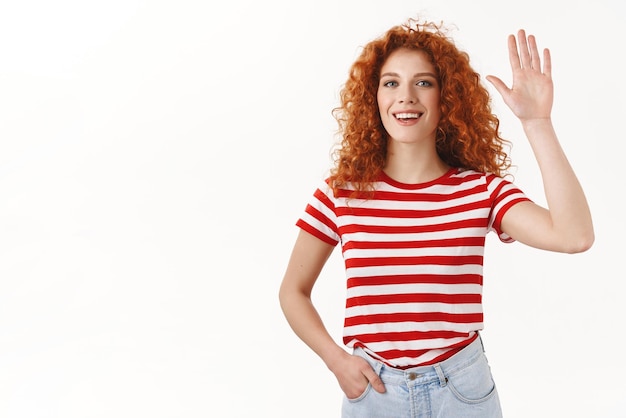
(407, 116)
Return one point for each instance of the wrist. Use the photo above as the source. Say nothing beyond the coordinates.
(538, 127)
(532, 123)
(333, 356)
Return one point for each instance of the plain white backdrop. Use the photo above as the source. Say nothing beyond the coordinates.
(155, 155)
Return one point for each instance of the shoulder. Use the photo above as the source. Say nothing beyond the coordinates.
(490, 179)
(462, 176)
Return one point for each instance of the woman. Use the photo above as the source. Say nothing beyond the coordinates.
(418, 183)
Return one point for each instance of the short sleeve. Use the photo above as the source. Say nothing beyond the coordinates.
(319, 217)
(503, 196)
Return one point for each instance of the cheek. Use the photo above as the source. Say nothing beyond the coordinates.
(381, 108)
(435, 103)
(383, 103)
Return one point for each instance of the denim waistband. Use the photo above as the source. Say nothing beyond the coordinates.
(426, 374)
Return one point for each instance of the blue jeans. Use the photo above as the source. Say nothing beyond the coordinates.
(461, 386)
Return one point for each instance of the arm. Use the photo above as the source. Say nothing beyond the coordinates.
(566, 225)
(307, 260)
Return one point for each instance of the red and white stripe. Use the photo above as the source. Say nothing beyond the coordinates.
(414, 260)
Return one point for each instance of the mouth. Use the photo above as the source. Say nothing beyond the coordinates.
(407, 116)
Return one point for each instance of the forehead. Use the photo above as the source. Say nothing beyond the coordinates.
(408, 59)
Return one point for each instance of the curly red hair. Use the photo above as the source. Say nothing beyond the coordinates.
(467, 136)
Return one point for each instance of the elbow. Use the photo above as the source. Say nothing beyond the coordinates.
(282, 296)
(285, 295)
(581, 244)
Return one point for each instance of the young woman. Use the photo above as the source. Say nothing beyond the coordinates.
(418, 183)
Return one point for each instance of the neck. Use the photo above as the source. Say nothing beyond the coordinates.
(413, 164)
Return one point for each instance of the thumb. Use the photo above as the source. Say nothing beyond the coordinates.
(498, 84)
(374, 380)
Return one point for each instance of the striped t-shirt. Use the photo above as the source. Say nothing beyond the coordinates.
(414, 260)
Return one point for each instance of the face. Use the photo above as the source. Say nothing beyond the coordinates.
(408, 97)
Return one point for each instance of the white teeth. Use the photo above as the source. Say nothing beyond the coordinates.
(407, 115)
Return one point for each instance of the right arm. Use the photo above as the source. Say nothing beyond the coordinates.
(308, 257)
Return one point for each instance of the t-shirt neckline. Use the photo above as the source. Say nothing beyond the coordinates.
(384, 177)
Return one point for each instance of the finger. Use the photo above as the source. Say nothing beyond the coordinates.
(374, 380)
(547, 63)
(523, 49)
(498, 84)
(535, 61)
(513, 54)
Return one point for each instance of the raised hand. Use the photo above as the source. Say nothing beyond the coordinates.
(565, 225)
(531, 95)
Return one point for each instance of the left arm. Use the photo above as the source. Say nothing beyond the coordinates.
(566, 225)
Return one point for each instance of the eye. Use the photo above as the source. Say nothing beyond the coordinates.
(424, 83)
(390, 83)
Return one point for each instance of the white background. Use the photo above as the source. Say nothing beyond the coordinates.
(155, 155)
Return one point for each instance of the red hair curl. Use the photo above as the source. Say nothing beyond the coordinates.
(467, 136)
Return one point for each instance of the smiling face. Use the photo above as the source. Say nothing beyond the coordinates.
(409, 96)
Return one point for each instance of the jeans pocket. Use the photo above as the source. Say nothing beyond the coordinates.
(473, 384)
(362, 395)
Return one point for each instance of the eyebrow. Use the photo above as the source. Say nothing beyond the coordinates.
(414, 75)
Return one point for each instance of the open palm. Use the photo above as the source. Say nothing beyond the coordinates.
(531, 95)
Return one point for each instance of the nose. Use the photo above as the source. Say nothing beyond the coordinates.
(407, 96)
